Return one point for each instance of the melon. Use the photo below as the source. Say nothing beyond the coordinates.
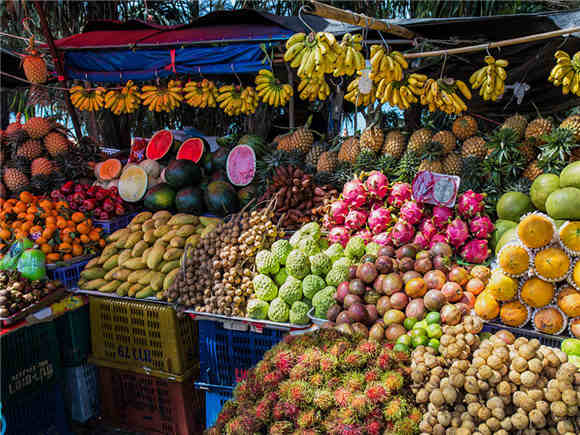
(159, 145)
(152, 167)
(133, 183)
(109, 169)
(564, 203)
(181, 173)
(541, 188)
(160, 197)
(241, 165)
(221, 198)
(513, 205)
(192, 149)
(190, 200)
(570, 175)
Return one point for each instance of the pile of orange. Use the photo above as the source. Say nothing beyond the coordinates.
(61, 233)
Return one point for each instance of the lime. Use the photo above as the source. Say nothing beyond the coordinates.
(434, 331)
(404, 339)
(409, 323)
(399, 347)
(434, 343)
(420, 340)
(433, 317)
(421, 324)
(418, 332)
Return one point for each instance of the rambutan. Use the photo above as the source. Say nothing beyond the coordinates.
(334, 382)
(323, 399)
(346, 429)
(393, 381)
(360, 405)
(241, 425)
(369, 347)
(384, 361)
(298, 392)
(395, 409)
(310, 358)
(285, 410)
(262, 369)
(328, 363)
(401, 357)
(281, 428)
(372, 375)
(301, 371)
(342, 397)
(273, 378)
(354, 381)
(317, 380)
(377, 393)
(374, 427)
(284, 361)
(355, 359)
(307, 418)
(406, 426)
(415, 415)
(339, 348)
(263, 410)
(242, 392)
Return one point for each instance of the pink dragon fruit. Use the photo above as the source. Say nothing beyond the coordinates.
(379, 219)
(438, 238)
(427, 227)
(338, 211)
(339, 235)
(411, 212)
(441, 216)
(326, 222)
(420, 241)
(356, 219)
(365, 234)
(400, 192)
(470, 203)
(475, 251)
(354, 193)
(481, 227)
(457, 232)
(377, 184)
(383, 239)
(402, 233)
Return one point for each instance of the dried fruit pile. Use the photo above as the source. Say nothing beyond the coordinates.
(538, 278)
(96, 201)
(18, 293)
(497, 385)
(323, 383)
(60, 232)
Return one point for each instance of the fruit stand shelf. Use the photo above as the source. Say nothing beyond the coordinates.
(44, 302)
(546, 339)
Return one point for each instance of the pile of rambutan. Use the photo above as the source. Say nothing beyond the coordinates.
(324, 382)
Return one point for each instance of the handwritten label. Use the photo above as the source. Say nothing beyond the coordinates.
(436, 189)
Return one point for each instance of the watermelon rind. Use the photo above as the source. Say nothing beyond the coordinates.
(159, 145)
(256, 142)
(192, 149)
(241, 179)
(133, 183)
(180, 173)
(160, 197)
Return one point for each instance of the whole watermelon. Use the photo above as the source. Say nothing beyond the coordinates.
(221, 198)
(190, 200)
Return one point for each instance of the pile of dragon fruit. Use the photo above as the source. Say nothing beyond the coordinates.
(385, 213)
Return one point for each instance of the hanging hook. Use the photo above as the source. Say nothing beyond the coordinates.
(487, 50)
(157, 76)
(384, 42)
(443, 66)
(236, 75)
(302, 19)
(566, 37)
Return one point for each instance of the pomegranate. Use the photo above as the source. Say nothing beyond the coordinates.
(452, 291)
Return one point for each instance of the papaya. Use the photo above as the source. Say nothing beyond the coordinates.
(183, 219)
(168, 236)
(148, 225)
(93, 262)
(157, 281)
(147, 292)
(95, 284)
(155, 257)
(149, 236)
(93, 273)
(136, 275)
(169, 266)
(111, 263)
(134, 289)
(162, 230)
(185, 231)
(110, 287)
(146, 279)
(177, 242)
(110, 169)
(134, 264)
(109, 275)
(108, 252)
(122, 274)
(117, 235)
(123, 289)
(133, 239)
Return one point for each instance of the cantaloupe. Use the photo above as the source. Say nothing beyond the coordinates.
(133, 183)
(109, 169)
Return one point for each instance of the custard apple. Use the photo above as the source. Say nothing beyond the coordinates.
(311, 229)
(299, 313)
(264, 288)
(280, 249)
(291, 290)
(280, 277)
(266, 263)
(323, 300)
(257, 309)
(279, 311)
(335, 251)
(308, 246)
(311, 285)
(355, 248)
(337, 275)
(320, 264)
(297, 264)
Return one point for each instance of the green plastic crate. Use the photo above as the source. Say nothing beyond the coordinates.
(74, 335)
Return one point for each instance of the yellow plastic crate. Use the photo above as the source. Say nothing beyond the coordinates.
(143, 337)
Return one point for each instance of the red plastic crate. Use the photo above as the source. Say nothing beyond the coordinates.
(148, 404)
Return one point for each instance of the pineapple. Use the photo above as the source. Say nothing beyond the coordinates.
(56, 143)
(365, 161)
(529, 150)
(559, 148)
(474, 147)
(34, 65)
(431, 166)
(30, 149)
(327, 162)
(464, 127)
(283, 142)
(313, 155)
(431, 158)
(41, 166)
(37, 127)
(572, 123)
(517, 123)
(452, 164)
(538, 128)
(14, 179)
(372, 138)
(532, 171)
(408, 165)
(394, 144)
(349, 150)
(445, 138)
(419, 139)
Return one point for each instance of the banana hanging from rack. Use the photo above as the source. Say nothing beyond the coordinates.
(236, 100)
(385, 65)
(123, 101)
(270, 90)
(313, 88)
(445, 95)
(89, 100)
(401, 93)
(162, 99)
(314, 54)
(354, 95)
(352, 59)
(566, 72)
(490, 79)
(201, 94)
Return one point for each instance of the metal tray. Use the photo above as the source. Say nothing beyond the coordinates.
(43, 303)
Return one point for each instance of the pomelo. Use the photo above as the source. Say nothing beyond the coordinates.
(541, 188)
(564, 203)
(513, 205)
(570, 175)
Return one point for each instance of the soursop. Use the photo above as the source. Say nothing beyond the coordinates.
(323, 300)
(257, 309)
(311, 229)
(311, 285)
(279, 311)
(335, 251)
(343, 262)
(291, 290)
(355, 248)
(320, 264)
(266, 263)
(373, 249)
(280, 277)
(280, 250)
(297, 264)
(264, 288)
(308, 246)
(299, 313)
(295, 239)
(337, 275)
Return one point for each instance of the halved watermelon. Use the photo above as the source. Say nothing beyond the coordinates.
(241, 165)
(133, 183)
(159, 145)
(193, 149)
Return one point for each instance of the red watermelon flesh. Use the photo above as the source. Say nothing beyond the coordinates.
(192, 149)
(241, 165)
(159, 145)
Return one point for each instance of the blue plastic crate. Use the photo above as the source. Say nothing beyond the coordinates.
(226, 355)
(81, 392)
(215, 397)
(41, 413)
(68, 275)
(112, 225)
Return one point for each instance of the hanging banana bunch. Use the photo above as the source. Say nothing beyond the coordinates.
(236, 100)
(250, 100)
(401, 93)
(90, 100)
(354, 95)
(162, 99)
(444, 95)
(566, 73)
(201, 94)
(270, 90)
(312, 88)
(314, 54)
(386, 65)
(490, 79)
(123, 101)
(351, 59)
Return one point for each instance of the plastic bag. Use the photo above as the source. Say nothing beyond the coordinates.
(10, 260)
(32, 264)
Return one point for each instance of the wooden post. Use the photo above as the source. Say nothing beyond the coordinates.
(291, 114)
(58, 65)
(326, 11)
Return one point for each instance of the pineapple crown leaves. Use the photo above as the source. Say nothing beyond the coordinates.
(557, 149)
(433, 152)
(505, 162)
(408, 166)
(365, 161)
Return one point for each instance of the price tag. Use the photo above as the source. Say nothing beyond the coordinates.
(365, 84)
(235, 326)
(436, 189)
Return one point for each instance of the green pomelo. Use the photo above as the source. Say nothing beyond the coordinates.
(541, 188)
(501, 226)
(513, 205)
(570, 175)
(564, 203)
(508, 236)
